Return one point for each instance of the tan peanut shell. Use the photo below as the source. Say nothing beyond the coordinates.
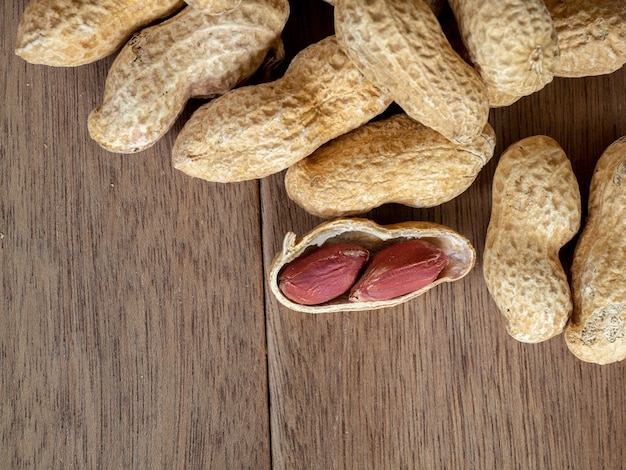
(535, 211)
(214, 7)
(435, 5)
(512, 43)
(592, 36)
(368, 234)
(498, 99)
(255, 131)
(190, 55)
(68, 33)
(401, 48)
(393, 160)
(597, 330)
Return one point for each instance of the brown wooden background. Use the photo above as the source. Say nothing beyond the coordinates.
(136, 329)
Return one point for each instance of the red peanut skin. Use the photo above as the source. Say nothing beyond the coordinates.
(322, 274)
(399, 270)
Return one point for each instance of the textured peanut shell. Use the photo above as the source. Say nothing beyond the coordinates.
(592, 36)
(512, 43)
(68, 33)
(498, 99)
(597, 330)
(190, 55)
(214, 7)
(394, 160)
(255, 131)
(435, 5)
(401, 48)
(373, 237)
(535, 211)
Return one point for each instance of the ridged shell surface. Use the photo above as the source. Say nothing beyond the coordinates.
(254, 131)
(68, 33)
(394, 160)
(536, 210)
(597, 331)
(512, 43)
(399, 45)
(592, 36)
(190, 55)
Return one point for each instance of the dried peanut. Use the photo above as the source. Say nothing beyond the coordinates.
(214, 7)
(535, 212)
(398, 270)
(597, 330)
(323, 273)
(435, 5)
(499, 99)
(190, 55)
(401, 48)
(257, 130)
(396, 159)
(592, 36)
(68, 33)
(373, 237)
(512, 43)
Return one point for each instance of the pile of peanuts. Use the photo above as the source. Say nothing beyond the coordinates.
(317, 123)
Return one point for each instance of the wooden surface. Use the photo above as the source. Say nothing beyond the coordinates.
(137, 331)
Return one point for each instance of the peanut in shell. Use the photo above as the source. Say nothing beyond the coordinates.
(392, 160)
(536, 210)
(512, 43)
(596, 332)
(399, 46)
(257, 130)
(69, 33)
(591, 35)
(190, 55)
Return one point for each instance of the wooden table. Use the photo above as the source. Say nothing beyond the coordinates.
(137, 329)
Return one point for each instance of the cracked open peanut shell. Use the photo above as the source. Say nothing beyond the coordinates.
(373, 237)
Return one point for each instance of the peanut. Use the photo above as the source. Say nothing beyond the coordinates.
(597, 330)
(398, 270)
(435, 5)
(535, 211)
(190, 55)
(390, 160)
(401, 48)
(322, 274)
(68, 33)
(592, 36)
(512, 43)
(214, 7)
(257, 130)
(373, 237)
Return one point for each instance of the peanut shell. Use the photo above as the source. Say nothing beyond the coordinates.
(401, 48)
(392, 160)
(257, 130)
(512, 43)
(597, 330)
(592, 36)
(68, 33)
(435, 5)
(214, 7)
(373, 237)
(190, 55)
(535, 211)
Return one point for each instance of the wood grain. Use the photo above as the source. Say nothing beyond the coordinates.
(136, 330)
(132, 325)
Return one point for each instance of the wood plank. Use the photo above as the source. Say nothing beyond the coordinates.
(132, 325)
(437, 382)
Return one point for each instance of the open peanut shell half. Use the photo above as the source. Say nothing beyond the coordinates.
(374, 237)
